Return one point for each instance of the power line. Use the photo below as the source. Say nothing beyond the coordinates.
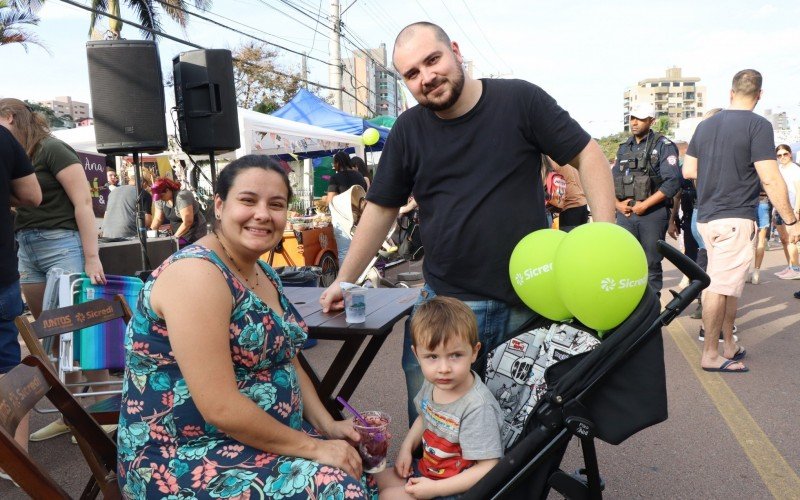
(466, 34)
(184, 42)
(425, 11)
(314, 38)
(217, 23)
(491, 45)
(305, 13)
(378, 18)
(162, 34)
(294, 18)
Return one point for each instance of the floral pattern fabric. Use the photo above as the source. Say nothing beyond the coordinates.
(165, 447)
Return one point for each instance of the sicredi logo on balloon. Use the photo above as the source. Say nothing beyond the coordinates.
(609, 284)
(531, 273)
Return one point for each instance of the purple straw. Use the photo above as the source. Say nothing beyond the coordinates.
(353, 411)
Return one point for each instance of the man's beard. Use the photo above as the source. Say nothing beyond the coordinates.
(456, 87)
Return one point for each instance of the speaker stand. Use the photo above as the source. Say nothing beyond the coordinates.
(142, 230)
(213, 166)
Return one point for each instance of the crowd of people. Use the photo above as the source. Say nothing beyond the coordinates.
(214, 396)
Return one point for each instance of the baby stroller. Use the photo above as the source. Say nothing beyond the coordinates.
(610, 392)
(410, 239)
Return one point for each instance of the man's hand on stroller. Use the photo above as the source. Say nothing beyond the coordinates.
(332, 299)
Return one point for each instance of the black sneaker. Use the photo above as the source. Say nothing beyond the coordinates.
(702, 336)
(797, 295)
(698, 313)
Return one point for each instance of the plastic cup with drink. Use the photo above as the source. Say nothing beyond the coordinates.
(374, 443)
(355, 302)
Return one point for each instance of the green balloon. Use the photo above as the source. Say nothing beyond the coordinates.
(601, 274)
(531, 268)
(370, 136)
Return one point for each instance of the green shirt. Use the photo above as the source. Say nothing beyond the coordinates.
(56, 210)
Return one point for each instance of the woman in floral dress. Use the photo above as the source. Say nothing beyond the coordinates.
(214, 398)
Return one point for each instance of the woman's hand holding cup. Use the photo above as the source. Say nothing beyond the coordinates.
(341, 454)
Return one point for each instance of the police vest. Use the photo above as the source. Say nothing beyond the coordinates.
(635, 176)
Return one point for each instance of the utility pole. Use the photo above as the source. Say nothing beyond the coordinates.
(304, 69)
(396, 95)
(335, 49)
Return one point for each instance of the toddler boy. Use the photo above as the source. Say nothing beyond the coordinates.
(459, 419)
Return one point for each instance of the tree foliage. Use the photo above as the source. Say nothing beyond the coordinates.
(610, 143)
(662, 125)
(14, 21)
(262, 84)
(147, 13)
(49, 114)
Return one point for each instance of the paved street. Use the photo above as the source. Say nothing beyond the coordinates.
(728, 436)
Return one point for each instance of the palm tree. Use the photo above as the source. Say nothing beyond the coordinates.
(147, 12)
(12, 21)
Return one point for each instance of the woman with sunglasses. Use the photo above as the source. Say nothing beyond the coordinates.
(791, 175)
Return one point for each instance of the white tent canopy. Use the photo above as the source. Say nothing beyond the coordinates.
(81, 138)
(259, 134)
(270, 135)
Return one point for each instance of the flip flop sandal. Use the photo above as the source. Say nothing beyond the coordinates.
(740, 353)
(724, 368)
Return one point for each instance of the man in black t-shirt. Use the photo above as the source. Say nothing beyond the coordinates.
(470, 154)
(728, 154)
(18, 186)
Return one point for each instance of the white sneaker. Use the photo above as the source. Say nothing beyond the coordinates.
(684, 282)
(5, 476)
(754, 278)
(50, 430)
(702, 336)
(108, 429)
(791, 274)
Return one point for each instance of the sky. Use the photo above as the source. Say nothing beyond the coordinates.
(584, 53)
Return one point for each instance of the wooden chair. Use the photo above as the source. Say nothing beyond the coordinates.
(54, 322)
(20, 390)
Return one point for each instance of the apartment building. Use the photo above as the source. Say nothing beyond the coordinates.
(779, 120)
(64, 105)
(672, 95)
(368, 76)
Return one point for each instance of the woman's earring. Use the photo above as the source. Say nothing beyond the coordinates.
(218, 217)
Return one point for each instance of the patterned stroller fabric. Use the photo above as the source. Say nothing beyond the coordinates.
(515, 370)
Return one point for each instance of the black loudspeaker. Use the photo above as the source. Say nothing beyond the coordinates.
(206, 100)
(127, 96)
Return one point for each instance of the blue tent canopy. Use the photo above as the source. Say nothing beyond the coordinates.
(305, 107)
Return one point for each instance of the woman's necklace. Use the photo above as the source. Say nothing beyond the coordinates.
(241, 273)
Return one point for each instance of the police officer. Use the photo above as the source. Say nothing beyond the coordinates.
(646, 178)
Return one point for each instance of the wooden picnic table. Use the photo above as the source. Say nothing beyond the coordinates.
(385, 307)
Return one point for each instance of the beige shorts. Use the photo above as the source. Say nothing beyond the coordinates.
(729, 243)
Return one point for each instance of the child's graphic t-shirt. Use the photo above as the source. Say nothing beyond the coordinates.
(458, 433)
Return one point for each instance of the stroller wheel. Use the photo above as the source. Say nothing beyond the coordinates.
(401, 284)
(330, 268)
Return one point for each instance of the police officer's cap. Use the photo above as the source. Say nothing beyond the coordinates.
(643, 110)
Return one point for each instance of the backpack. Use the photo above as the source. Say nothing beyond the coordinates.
(555, 191)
